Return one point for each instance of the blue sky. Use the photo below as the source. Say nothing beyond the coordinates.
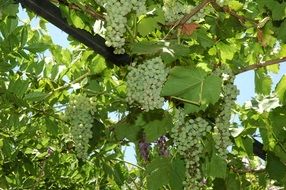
(244, 81)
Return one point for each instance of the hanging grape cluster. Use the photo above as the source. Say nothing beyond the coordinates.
(162, 146)
(145, 82)
(116, 20)
(175, 10)
(79, 114)
(187, 136)
(222, 122)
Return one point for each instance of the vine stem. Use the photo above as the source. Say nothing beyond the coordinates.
(184, 100)
(261, 65)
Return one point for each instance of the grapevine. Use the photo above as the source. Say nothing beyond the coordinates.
(187, 136)
(144, 84)
(79, 114)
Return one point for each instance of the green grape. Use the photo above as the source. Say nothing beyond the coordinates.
(116, 20)
(222, 122)
(145, 82)
(79, 114)
(175, 10)
(187, 137)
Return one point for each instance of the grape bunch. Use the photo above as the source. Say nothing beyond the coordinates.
(116, 20)
(174, 10)
(222, 122)
(145, 82)
(187, 136)
(79, 113)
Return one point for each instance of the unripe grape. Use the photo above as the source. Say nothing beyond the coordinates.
(144, 85)
(187, 137)
(79, 114)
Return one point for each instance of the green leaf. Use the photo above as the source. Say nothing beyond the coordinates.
(129, 127)
(10, 9)
(201, 35)
(157, 172)
(35, 96)
(149, 24)
(281, 90)
(178, 174)
(275, 168)
(37, 48)
(9, 27)
(232, 182)
(226, 51)
(277, 118)
(193, 86)
(160, 124)
(235, 5)
(24, 36)
(163, 171)
(164, 47)
(18, 87)
(217, 167)
(263, 82)
(247, 145)
(280, 31)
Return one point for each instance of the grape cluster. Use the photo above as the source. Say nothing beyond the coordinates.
(222, 122)
(162, 146)
(144, 84)
(116, 20)
(187, 136)
(79, 114)
(144, 148)
(174, 10)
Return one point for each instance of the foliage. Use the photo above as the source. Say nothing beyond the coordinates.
(39, 80)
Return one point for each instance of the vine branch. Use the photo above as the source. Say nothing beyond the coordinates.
(261, 65)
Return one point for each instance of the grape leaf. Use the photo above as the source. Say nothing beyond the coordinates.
(278, 122)
(159, 126)
(263, 82)
(163, 171)
(194, 86)
(275, 168)
(217, 167)
(164, 47)
(281, 89)
(149, 24)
